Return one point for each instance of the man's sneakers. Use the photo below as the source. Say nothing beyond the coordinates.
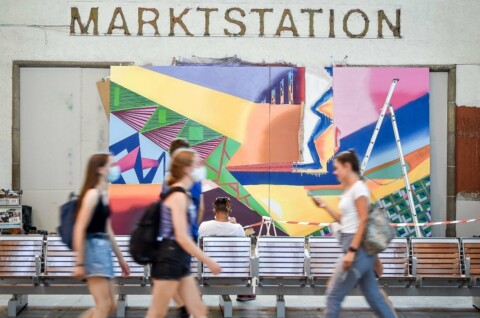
(246, 297)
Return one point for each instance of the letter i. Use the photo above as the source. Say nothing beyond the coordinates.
(282, 91)
(290, 87)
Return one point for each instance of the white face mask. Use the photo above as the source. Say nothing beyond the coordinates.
(113, 173)
(199, 174)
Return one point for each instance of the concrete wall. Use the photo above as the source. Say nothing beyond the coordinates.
(468, 94)
(62, 123)
(432, 31)
(438, 149)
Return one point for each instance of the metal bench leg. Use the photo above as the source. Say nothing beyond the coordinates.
(121, 306)
(280, 306)
(226, 306)
(16, 304)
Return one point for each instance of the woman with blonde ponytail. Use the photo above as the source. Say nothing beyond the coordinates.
(171, 270)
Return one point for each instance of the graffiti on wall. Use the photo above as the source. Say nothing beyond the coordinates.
(267, 136)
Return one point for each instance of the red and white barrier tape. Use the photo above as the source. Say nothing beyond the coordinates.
(254, 224)
(437, 223)
(392, 224)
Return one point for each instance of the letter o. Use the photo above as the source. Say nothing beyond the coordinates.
(365, 28)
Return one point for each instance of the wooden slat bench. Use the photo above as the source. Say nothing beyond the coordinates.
(20, 266)
(138, 278)
(280, 263)
(436, 262)
(139, 274)
(471, 254)
(234, 256)
(60, 263)
(396, 263)
(324, 254)
(194, 267)
(281, 266)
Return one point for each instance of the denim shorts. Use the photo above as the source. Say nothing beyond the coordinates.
(172, 262)
(98, 256)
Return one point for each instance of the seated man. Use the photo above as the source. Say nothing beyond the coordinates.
(223, 225)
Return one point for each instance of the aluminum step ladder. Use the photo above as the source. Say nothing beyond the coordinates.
(389, 107)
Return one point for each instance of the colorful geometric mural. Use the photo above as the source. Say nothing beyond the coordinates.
(267, 136)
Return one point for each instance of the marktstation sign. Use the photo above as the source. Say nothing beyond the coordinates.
(130, 20)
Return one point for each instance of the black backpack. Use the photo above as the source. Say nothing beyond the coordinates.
(144, 239)
(67, 220)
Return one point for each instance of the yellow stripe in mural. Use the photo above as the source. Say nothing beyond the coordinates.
(292, 203)
(224, 113)
(379, 191)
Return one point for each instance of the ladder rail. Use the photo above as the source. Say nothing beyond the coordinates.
(389, 107)
(404, 171)
(377, 126)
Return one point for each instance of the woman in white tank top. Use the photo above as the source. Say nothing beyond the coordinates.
(356, 267)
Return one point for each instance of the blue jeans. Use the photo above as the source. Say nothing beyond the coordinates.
(361, 273)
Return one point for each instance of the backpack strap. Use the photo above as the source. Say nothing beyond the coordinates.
(164, 195)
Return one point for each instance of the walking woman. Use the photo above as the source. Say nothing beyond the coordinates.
(171, 270)
(93, 238)
(357, 267)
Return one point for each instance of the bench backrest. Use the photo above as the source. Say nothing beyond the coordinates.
(395, 259)
(280, 256)
(471, 250)
(324, 254)
(18, 253)
(136, 270)
(232, 253)
(436, 257)
(59, 259)
(194, 266)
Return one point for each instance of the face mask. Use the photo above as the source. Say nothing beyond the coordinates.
(113, 173)
(199, 174)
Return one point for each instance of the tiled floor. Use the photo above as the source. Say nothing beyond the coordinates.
(297, 307)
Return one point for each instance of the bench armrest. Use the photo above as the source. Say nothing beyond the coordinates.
(414, 266)
(468, 273)
(254, 266)
(307, 267)
(467, 267)
(38, 270)
(38, 265)
(199, 270)
(146, 274)
(418, 279)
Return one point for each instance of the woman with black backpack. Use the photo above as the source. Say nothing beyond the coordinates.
(93, 237)
(171, 269)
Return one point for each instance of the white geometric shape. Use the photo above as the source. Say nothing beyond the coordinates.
(274, 207)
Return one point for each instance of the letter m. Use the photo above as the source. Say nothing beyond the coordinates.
(75, 16)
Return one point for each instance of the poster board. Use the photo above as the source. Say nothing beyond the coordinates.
(10, 217)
